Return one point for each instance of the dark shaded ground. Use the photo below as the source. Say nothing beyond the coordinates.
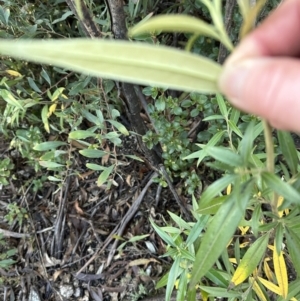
(66, 246)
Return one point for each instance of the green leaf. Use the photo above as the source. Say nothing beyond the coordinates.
(49, 164)
(162, 281)
(289, 151)
(213, 117)
(197, 229)
(104, 175)
(222, 106)
(235, 115)
(80, 134)
(6, 263)
(179, 221)
(174, 23)
(246, 144)
(293, 245)
(280, 187)
(279, 237)
(134, 157)
(50, 145)
(120, 127)
(92, 153)
(202, 153)
(212, 206)
(10, 99)
(122, 60)
(44, 114)
(4, 15)
(250, 260)
(224, 155)
(95, 166)
(163, 234)
(174, 274)
(33, 85)
(235, 129)
(45, 75)
(220, 230)
(215, 189)
(219, 292)
(92, 118)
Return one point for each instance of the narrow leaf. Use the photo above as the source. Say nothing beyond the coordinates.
(44, 114)
(280, 271)
(163, 234)
(33, 85)
(224, 155)
(174, 23)
(174, 273)
(222, 106)
(215, 189)
(121, 128)
(219, 232)
(219, 292)
(50, 145)
(293, 244)
(289, 151)
(50, 164)
(10, 99)
(250, 260)
(104, 175)
(92, 153)
(121, 60)
(257, 289)
(80, 134)
(281, 187)
(269, 285)
(95, 166)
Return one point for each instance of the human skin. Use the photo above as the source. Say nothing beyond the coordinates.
(262, 76)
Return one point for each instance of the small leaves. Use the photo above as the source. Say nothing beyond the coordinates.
(250, 260)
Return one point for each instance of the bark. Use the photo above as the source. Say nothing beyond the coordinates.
(89, 27)
(130, 97)
(229, 8)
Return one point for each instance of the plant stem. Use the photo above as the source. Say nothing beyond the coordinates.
(270, 161)
(269, 146)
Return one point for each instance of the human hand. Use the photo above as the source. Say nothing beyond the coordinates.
(262, 76)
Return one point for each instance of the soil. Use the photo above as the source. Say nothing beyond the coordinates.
(73, 241)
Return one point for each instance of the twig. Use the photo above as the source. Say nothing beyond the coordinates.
(59, 227)
(163, 171)
(7, 233)
(229, 8)
(89, 27)
(118, 230)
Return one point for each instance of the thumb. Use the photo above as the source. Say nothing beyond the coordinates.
(265, 86)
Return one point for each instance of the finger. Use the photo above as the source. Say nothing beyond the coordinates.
(268, 87)
(276, 36)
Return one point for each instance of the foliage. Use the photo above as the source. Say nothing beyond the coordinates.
(246, 222)
(5, 167)
(16, 214)
(5, 257)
